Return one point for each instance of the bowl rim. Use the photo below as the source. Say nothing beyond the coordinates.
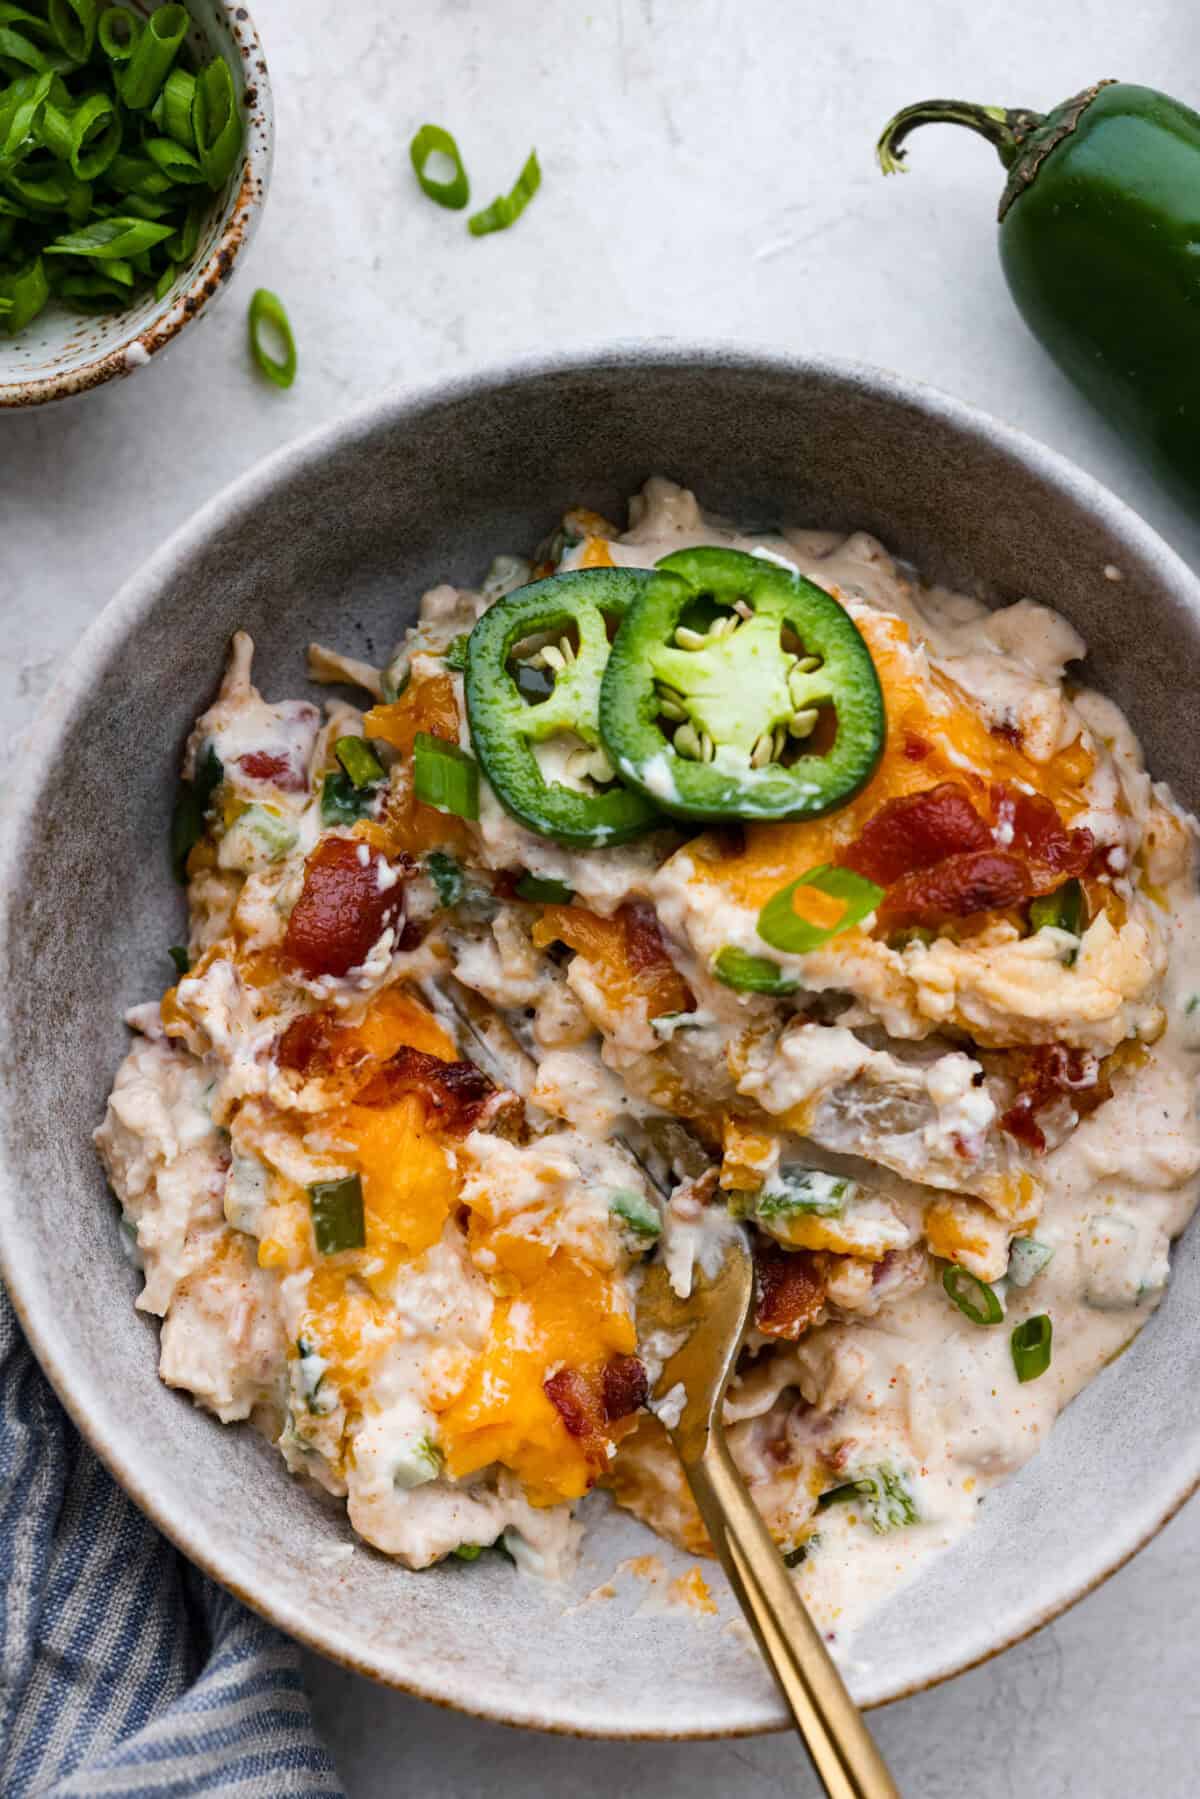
(136, 599)
(205, 280)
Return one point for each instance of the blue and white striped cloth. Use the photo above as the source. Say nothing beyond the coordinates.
(123, 1671)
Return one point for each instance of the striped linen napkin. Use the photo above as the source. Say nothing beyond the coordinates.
(123, 1670)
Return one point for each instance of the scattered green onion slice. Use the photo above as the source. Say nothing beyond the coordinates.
(446, 876)
(267, 309)
(636, 1212)
(445, 776)
(456, 655)
(541, 892)
(750, 974)
(781, 926)
(359, 761)
(468, 1552)
(181, 959)
(507, 208)
(432, 140)
(973, 1297)
(337, 1214)
(1031, 1346)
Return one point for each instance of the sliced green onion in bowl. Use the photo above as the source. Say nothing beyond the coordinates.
(1031, 1345)
(337, 1214)
(216, 125)
(973, 1297)
(359, 761)
(506, 209)
(118, 31)
(540, 892)
(158, 44)
(268, 313)
(119, 237)
(433, 140)
(445, 777)
(780, 925)
(751, 974)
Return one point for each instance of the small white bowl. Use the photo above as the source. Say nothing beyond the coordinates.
(64, 352)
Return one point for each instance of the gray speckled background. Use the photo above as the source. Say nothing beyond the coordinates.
(707, 171)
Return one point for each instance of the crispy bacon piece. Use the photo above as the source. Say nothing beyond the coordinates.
(958, 887)
(457, 1093)
(314, 1044)
(280, 770)
(342, 910)
(1028, 825)
(1050, 1073)
(589, 1401)
(915, 832)
(789, 1290)
(625, 1387)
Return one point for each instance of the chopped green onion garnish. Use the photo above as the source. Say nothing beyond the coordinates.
(973, 1297)
(446, 876)
(456, 655)
(191, 806)
(1031, 1345)
(1026, 1260)
(359, 761)
(751, 974)
(800, 1190)
(432, 140)
(507, 209)
(883, 1494)
(341, 802)
(267, 312)
(445, 776)
(468, 1552)
(1063, 910)
(337, 1214)
(544, 892)
(636, 1212)
(792, 1558)
(781, 926)
(180, 958)
(417, 1463)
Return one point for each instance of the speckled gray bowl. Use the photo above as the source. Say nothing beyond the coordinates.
(336, 538)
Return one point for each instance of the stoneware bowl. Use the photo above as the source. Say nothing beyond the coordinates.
(65, 352)
(336, 539)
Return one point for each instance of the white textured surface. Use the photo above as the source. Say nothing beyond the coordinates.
(708, 172)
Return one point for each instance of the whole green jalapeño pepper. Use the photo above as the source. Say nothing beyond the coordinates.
(517, 700)
(765, 706)
(1099, 236)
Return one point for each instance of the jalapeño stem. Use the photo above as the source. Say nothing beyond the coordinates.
(1005, 128)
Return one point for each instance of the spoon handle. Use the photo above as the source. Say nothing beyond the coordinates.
(842, 1749)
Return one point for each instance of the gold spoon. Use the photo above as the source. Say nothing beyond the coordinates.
(712, 1322)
